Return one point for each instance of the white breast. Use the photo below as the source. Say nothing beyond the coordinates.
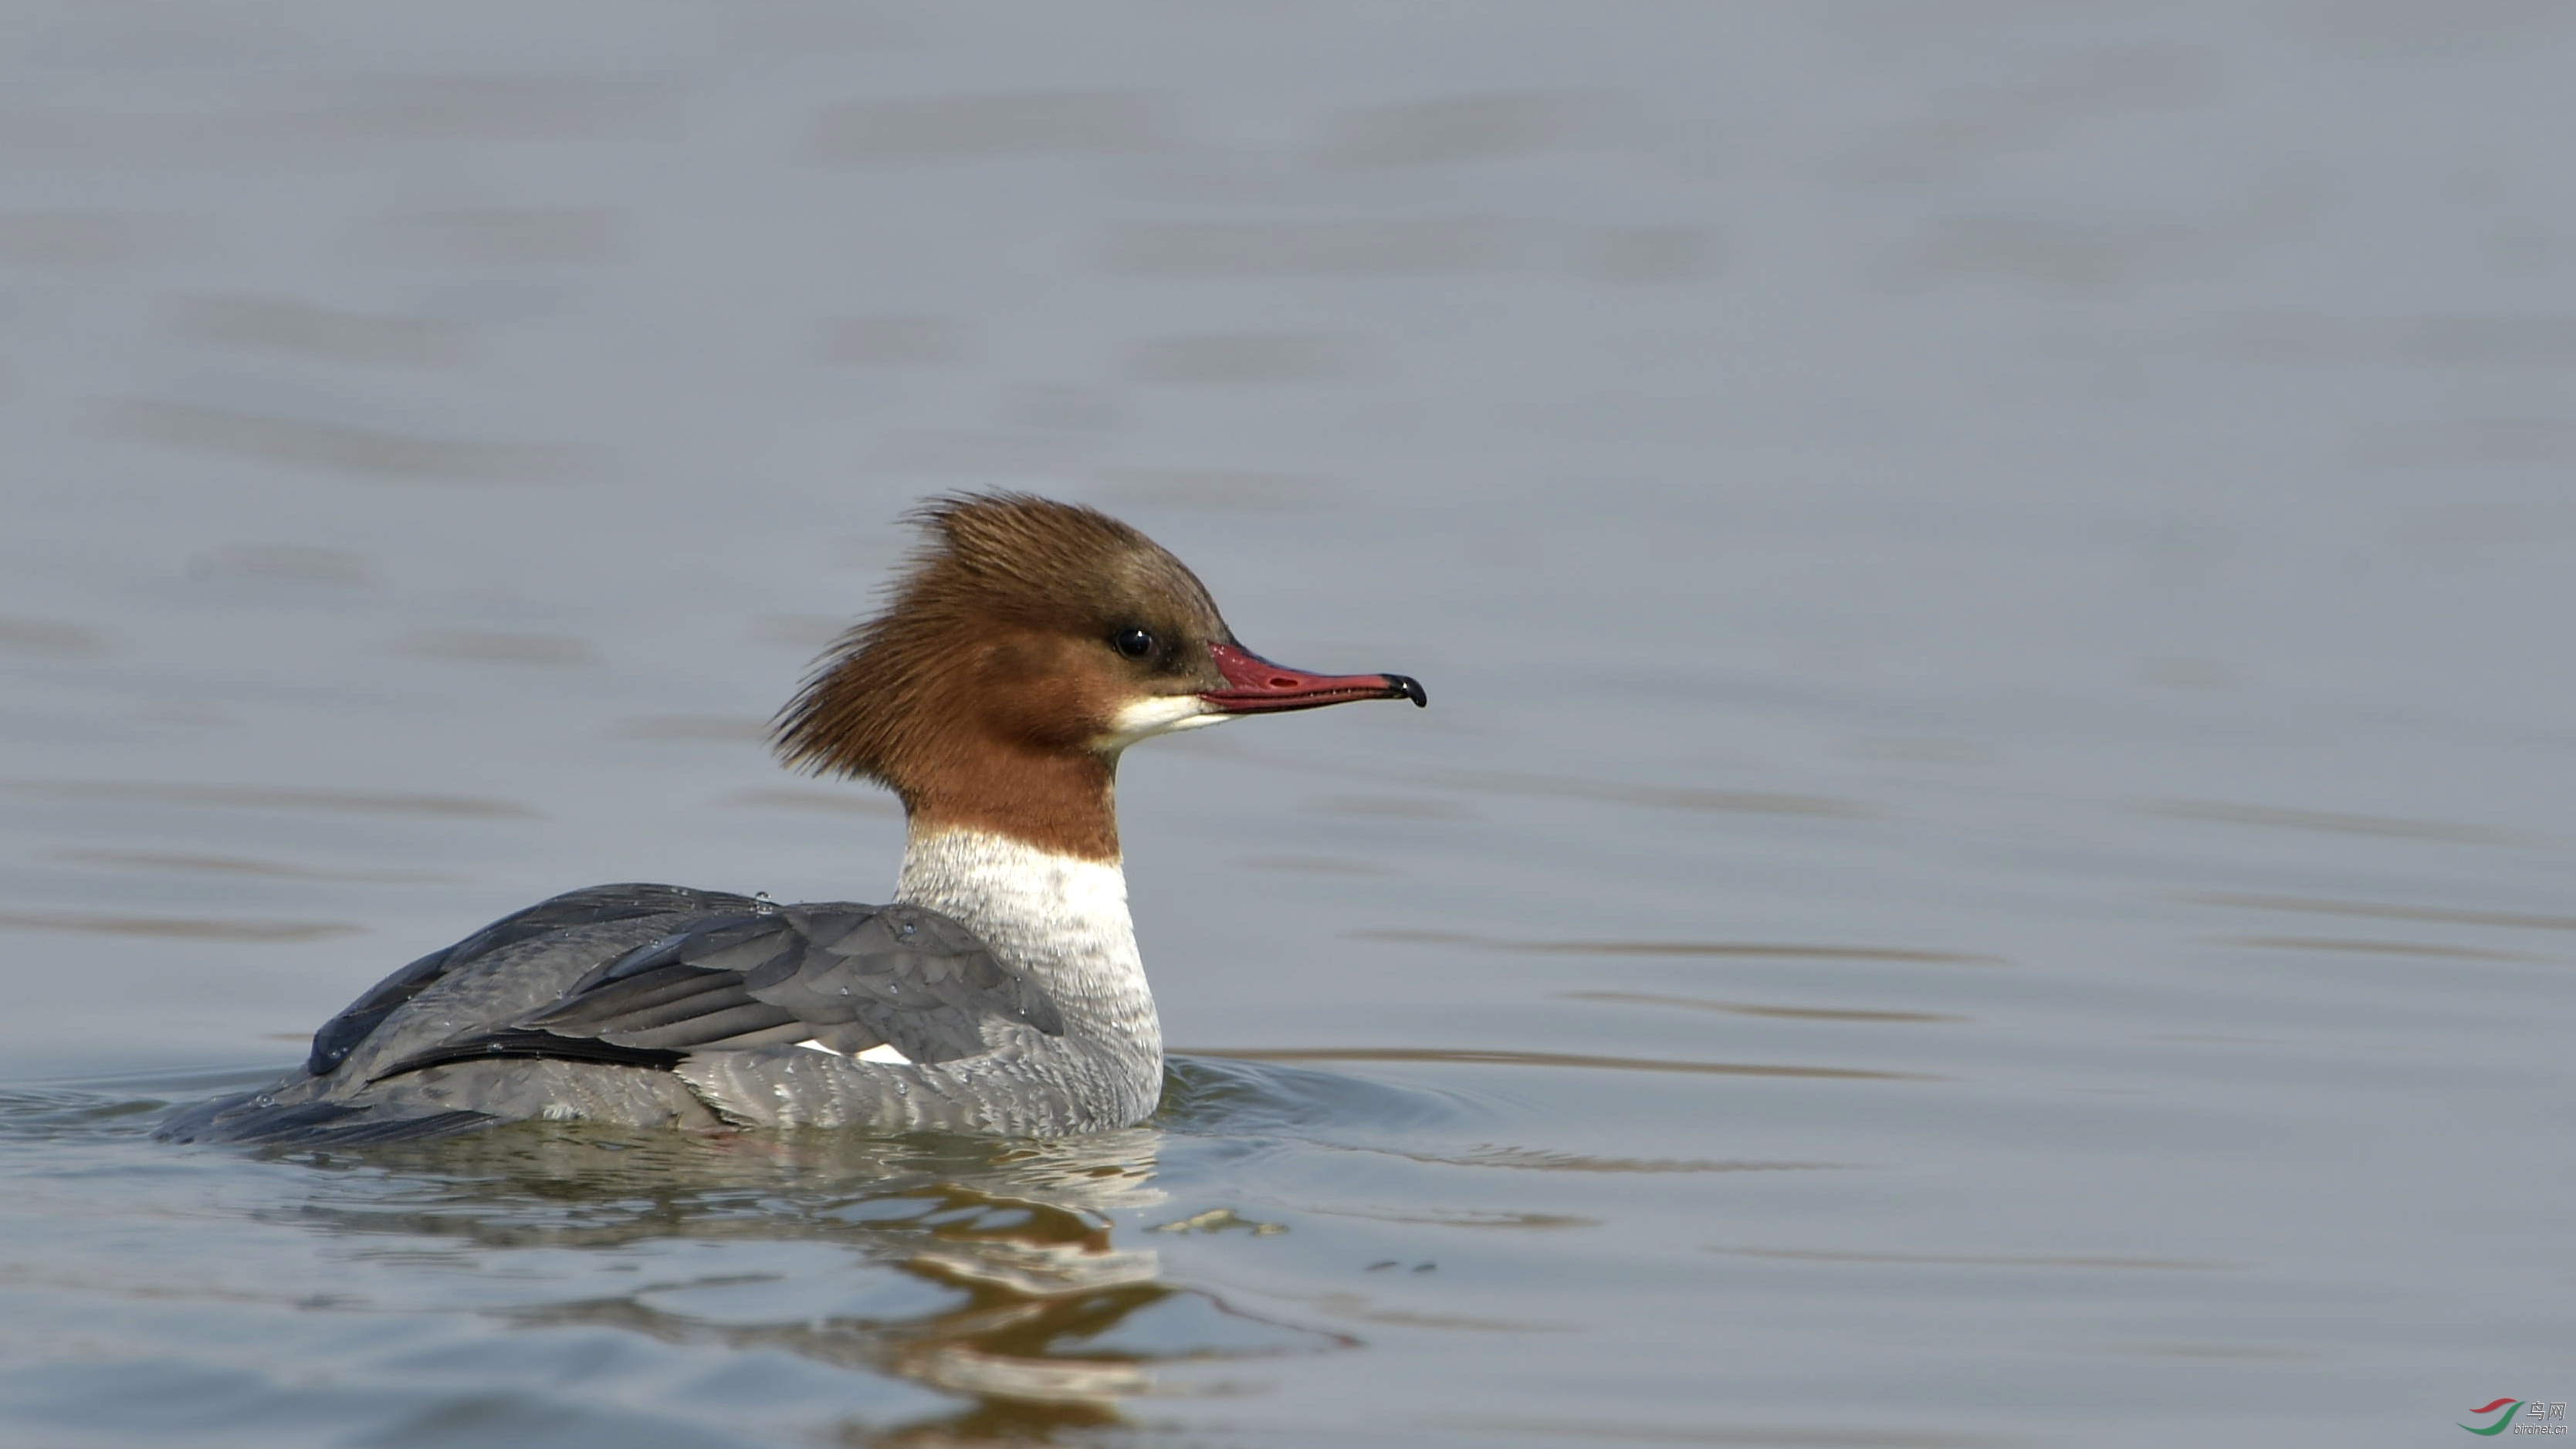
(1061, 918)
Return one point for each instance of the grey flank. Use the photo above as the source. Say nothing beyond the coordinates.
(647, 1005)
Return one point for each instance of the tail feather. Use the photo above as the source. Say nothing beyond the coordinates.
(311, 1124)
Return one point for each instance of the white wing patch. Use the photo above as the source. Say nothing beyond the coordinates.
(878, 1053)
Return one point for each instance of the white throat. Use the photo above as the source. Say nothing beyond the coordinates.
(1061, 918)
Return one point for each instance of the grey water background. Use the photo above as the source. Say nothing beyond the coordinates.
(1990, 863)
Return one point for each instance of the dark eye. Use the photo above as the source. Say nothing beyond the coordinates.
(1134, 643)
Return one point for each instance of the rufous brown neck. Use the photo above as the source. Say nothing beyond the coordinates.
(1062, 802)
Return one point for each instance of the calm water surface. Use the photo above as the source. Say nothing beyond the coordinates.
(1991, 863)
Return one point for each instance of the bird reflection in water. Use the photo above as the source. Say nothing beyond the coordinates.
(1017, 1234)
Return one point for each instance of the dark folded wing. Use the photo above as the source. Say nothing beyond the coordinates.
(849, 978)
(341, 1034)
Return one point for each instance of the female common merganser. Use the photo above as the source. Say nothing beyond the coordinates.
(1029, 644)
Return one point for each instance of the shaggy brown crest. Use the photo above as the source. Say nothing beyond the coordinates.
(983, 693)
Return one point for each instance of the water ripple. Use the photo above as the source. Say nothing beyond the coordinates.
(2383, 911)
(1742, 1008)
(180, 927)
(1791, 950)
(274, 797)
(1551, 1059)
(1989, 1260)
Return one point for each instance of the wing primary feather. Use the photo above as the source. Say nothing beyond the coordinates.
(340, 1036)
(725, 995)
(705, 1030)
(696, 997)
(786, 1033)
(533, 1044)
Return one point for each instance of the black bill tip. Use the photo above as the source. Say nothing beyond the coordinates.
(1408, 687)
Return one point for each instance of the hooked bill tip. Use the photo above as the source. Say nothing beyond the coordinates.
(1410, 688)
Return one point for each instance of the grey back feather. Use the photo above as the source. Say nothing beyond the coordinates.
(341, 1034)
(849, 977)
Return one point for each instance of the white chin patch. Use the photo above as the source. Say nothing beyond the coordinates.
(1160, 714)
